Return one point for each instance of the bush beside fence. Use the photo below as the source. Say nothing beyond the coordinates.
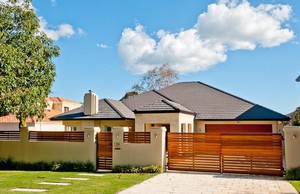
(9, 164)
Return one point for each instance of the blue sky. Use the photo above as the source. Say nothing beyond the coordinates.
(250, 49)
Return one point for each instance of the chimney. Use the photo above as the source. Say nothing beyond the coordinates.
(90, 103)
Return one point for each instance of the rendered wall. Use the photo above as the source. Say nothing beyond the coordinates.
(27, 151)
(174, 119)
(200, 125)
(292, 146)
(139, 153)
(80, 125)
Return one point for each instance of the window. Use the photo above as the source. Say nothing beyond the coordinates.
(68, 128)
(108, 129)
(66, 109)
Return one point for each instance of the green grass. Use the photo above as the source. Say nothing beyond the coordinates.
(109, 183)
(296, 184)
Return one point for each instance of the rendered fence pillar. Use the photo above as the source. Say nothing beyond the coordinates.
(158, 141)
(292, 146)
(90, 143)
(140, 154)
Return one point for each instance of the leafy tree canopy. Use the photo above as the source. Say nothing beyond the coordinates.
(26, 68)
(296, 117)
(155, 79)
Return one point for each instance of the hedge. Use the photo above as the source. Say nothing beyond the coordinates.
(9, 164)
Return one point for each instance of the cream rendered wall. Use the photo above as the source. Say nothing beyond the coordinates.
(174, 119)
(186, 119)
(27, 151)
(47, 126)
(200, 125)
(140, 153)
(111, 123)
(165, 118)
(292, 145)
(80, 125)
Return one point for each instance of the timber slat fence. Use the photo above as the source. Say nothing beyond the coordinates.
(104, 151)
(67, 136)
(10, 135)
(226, 153)
(137, 137)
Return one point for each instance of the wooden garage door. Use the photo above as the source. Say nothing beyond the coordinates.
(238, 128)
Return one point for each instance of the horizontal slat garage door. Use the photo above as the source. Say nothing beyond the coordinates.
(238, 128)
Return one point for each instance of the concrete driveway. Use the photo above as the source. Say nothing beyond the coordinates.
(189, 182)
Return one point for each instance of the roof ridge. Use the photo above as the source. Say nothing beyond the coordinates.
(225, 92)
(162, 95)
(168, 103)
(113, 107)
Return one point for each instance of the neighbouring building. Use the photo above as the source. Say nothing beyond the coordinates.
(56, 106)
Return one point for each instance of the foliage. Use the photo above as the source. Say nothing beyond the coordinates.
(128, 94)
(26, 68)
(157, 78)
(293, 174)
(8, 164)
(296, 117)
(109, 183)
(136, 169)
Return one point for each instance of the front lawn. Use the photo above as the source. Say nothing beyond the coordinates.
(108, 183)
(296, 184)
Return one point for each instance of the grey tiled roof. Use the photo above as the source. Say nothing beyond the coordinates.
(108, 109)
(206, 102)
(210, 103)
(162, 106)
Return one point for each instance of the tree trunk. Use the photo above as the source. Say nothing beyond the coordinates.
(22, 123)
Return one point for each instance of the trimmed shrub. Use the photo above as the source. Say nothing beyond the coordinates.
(293, 174)
(8, 164)
(136, 169)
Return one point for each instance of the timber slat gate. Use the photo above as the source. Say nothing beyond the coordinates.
(226, 153)
(104, 151)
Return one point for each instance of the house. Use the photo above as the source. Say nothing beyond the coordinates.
(182, 107)
(56, 106)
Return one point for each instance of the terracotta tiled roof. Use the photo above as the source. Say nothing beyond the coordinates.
(60, 99)
(11, 118)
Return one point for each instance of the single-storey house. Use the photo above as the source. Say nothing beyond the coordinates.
(182, 107)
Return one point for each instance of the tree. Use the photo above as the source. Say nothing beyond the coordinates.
(26, 68)
(155, 79)
(296, 117)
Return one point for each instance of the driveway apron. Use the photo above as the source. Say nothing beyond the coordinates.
(190, 182)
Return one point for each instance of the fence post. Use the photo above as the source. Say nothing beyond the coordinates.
(158, 140)
(91, 144)
(292, 144)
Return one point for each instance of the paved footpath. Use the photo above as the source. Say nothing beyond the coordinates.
(189, 182)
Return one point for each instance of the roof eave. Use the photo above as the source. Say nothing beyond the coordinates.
(84, 119)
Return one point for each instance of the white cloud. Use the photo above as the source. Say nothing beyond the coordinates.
(227, 25)
(184, 51)
(62, 30)
(102, 46)
(245, 27)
